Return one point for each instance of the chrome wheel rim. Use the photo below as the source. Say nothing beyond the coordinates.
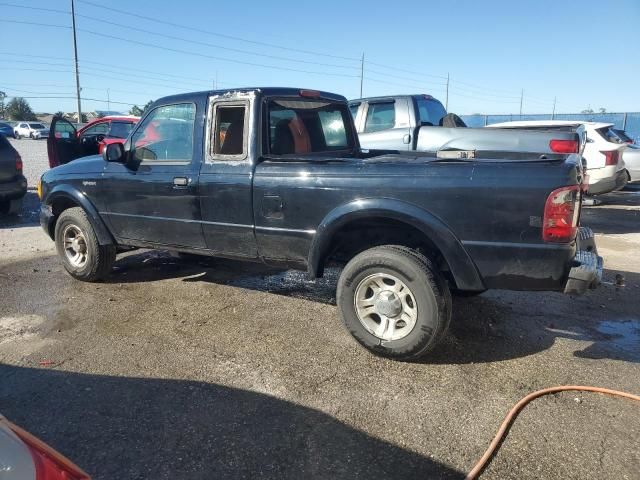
(386, 306)
(75, 246)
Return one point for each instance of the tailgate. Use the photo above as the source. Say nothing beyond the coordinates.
(7, 160)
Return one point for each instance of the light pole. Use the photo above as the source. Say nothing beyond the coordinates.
(75, 55)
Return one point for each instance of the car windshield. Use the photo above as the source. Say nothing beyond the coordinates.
(37, 126)
(308, 126)
(120, 129)
(430, 110)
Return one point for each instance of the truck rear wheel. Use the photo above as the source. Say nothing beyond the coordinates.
(77, 245)
(394, 302)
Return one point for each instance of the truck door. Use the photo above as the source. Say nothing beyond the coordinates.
(386, 125)
(154, 197)
(226, 176)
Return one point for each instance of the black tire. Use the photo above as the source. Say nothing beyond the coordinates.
(100, 258)
(16, 135)
(427, 285)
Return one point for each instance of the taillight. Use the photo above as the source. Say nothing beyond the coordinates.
(611, 157)
(564, 146)
(18, 162)
(49, 464)
(561, 211)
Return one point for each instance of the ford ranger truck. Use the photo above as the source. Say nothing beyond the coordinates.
(276, 175)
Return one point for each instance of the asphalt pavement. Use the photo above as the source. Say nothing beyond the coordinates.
(213, 369)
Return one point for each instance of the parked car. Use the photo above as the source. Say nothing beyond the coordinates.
(6, 129)
(13, 184)
(288, 185)
(35, 130)
(631, 158)
(420, 122)
(602, 154)
(25, 457)
(88, 140)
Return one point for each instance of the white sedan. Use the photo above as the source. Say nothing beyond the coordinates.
(603, 153)
(34, 130)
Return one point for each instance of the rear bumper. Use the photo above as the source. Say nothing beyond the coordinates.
(608, 184)
(586, 270)
(15, 188)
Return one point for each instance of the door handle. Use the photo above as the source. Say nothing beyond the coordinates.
(180, 182)
(406, 139)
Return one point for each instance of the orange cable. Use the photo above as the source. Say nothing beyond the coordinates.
(480, 465)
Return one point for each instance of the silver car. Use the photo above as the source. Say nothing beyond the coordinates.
(631, 159)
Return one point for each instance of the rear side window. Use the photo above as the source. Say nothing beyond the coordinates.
(380, 116)
(120, 129)
(308, 126)
(229, 136)
(431, 111)
(166, 134)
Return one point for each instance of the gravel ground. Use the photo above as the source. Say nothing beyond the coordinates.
(216, 369)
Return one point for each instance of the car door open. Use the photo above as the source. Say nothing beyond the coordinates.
(62, 143)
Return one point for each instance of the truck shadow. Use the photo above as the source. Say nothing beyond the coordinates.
(27, 217)
(123, 427)
(494, 326)
(618, 213)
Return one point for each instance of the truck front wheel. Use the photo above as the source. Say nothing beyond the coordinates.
(77, 245)
(394, 302)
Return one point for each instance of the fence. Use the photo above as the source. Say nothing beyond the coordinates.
(627, 121)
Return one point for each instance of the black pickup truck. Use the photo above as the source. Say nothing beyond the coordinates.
(276, 175)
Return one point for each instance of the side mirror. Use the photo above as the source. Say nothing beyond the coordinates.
(114, 152)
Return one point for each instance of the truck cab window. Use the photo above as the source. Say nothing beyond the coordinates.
(380, 116)
(166, 135)
(229, 134)
(307, 126)
(430, 111)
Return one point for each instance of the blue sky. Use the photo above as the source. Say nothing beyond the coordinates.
(580, 52)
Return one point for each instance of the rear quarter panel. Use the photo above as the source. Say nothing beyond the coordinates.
(493, 208)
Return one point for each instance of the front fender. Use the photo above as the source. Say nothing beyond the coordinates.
(70, 193)
(462, 267)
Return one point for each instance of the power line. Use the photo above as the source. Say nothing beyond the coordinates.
(207, 32)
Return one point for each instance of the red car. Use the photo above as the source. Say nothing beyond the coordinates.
(66, 143)
(24, 457)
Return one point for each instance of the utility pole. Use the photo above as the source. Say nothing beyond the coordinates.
(108, 101)
(521, 96)
(446, 102)
(361, 74)
(553, 113)
(75, 55)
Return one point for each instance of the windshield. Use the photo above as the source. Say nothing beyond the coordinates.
(120, 129)
(308, 126)
(37, 126)
(430, 111)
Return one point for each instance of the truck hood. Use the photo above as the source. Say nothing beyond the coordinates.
(90, 164)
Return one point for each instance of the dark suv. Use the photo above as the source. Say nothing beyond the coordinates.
(13, 185)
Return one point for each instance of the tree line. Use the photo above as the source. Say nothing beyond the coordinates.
(18, 108)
